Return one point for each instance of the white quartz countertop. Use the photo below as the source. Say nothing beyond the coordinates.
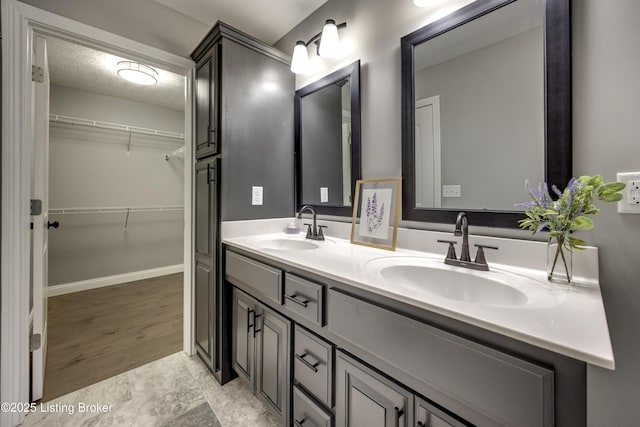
(569, 320)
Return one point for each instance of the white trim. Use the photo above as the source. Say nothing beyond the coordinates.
(101, 282)
(437, 147)
(189, 345)
(19, 20)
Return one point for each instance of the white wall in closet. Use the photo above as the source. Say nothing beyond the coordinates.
(92, 168)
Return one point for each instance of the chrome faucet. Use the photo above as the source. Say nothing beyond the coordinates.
(462, 229)
(314, 231)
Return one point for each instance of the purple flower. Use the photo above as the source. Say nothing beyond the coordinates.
(381, 215)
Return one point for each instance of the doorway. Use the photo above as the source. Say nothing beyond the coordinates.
(21, 22)
(114, 216)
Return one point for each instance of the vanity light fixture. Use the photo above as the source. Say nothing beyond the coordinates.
(137, 73)
(327, 42)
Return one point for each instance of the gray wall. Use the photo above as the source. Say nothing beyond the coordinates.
(500, 87)
(606, 128)
(91, 168)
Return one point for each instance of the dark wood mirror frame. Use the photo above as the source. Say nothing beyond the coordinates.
(351, 71)
(558, 135)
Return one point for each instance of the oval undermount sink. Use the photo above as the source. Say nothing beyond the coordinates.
(430, 279)
(283, 244)
(455, 285)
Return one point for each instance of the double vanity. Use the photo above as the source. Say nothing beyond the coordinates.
(330, 333)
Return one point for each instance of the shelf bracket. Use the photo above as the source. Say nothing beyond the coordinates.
(126, 220)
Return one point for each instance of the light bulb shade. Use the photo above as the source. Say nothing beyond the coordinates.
(137, 73)
(329, 41)
(300, 59)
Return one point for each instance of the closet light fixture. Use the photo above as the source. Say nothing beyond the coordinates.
(137, 73)
(327, 45)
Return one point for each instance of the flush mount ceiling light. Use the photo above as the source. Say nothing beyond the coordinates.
(422, 3)
(137, 73)
(327, 42)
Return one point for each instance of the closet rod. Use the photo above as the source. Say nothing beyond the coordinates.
(57, 118)
(101, 210)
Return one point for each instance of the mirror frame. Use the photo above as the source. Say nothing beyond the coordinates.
(351, 71)
(557, 110)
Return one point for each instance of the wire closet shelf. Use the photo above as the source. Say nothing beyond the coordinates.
(110, 210)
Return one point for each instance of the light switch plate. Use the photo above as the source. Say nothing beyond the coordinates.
(631, 201)
(324, 194)
(256, 196)
(451, 191)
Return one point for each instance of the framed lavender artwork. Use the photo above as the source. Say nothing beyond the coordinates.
(375, 213)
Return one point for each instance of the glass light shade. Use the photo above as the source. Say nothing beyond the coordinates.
(137, 73)
(300, 59)
(329, 41)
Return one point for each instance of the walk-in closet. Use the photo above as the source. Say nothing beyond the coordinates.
(116, 186)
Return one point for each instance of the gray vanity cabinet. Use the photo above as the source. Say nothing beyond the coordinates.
(243, 93)
(206, 259)
(206, 94)
(366, 399)
(261, 352)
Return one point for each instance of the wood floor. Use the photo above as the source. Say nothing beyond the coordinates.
(96, 334)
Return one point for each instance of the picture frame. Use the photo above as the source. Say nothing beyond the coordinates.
(376, 211)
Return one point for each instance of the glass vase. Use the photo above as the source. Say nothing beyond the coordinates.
(559, 259)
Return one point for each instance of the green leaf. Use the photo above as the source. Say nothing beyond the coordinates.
(576, 243)
(615, 197)
(612, 187)
(581, 223)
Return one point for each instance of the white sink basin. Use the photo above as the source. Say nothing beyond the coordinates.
(287, 243)
(430, 278)
(455, 285)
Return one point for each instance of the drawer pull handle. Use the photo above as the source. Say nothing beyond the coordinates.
(312, 366)
(249, 324)
(299, 423)
(294, 298)
(399, 413)
(255, 324)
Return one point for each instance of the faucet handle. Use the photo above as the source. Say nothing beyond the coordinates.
(451, 251)
(309, 230)
(480, 259)
(320, 233)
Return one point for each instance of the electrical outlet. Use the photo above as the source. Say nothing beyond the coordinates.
(631, 201)
(324, 194)
(256, 196)
(451, 191)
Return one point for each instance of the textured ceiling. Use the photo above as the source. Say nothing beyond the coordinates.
(87, 69)
(267, 20)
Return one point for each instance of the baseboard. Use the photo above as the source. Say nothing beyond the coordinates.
(100, 282)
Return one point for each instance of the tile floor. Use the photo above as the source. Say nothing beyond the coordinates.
(176, 391)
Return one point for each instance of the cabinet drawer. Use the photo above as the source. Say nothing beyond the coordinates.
(304, 298)
(483, 385)
(428, 415)
(258, 279)
(313, 365)
(306, 413)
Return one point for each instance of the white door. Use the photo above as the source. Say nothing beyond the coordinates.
(40, 191)
(428, 153)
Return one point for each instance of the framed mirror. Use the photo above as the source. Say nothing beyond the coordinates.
(486, 105)
(327, 142)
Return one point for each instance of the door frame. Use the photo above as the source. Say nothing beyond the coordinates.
(19, 21)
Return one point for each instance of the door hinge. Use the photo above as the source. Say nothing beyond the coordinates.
(36, 207)
(35, 341)
(37, 74)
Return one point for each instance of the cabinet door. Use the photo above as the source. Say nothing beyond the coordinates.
(273, 361)
(206, 209)
(244, 317)
(206, 104)
(204, 312)
(366, 399)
